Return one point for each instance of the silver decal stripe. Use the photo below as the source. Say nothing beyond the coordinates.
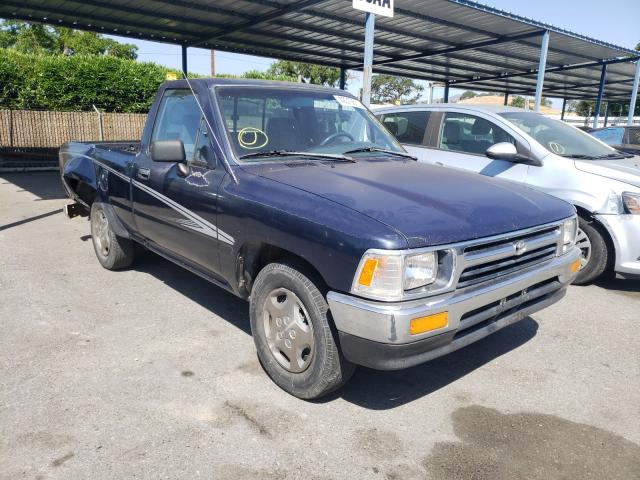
(196, 222)
(192, 221)
(111, 170)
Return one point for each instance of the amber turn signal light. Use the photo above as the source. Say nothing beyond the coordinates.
(429, 323)
(575, 266)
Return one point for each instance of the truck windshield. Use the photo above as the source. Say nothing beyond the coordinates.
(277, 120)
(558, 137)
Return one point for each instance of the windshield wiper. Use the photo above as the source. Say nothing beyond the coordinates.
(615, 156)
(383, 150)
(290, 153)
(580, 156)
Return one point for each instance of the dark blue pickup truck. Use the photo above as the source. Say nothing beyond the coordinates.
(350, 253)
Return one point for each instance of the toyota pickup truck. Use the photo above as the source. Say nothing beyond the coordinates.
(295, 198)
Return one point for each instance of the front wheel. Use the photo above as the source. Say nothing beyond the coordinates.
(595, 254)
(294, 338)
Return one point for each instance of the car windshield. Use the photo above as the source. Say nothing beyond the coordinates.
(558, 137)
(277, 121)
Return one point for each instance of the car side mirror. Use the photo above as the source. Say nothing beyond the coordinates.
(168, 151)
(508, 152)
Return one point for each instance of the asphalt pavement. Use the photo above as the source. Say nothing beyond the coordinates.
(151, 373)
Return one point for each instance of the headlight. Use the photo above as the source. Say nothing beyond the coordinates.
(391, 275)
(631, 202)
(569, 233)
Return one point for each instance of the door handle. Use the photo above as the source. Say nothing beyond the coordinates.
(143, 173)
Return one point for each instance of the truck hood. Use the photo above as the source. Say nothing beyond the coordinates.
(429, 205)
(625, 170)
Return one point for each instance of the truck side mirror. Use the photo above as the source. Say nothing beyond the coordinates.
(508, 152)
(168, 151)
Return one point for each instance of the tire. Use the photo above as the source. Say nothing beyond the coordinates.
(113, 252)
(595, 251)
(307, 363)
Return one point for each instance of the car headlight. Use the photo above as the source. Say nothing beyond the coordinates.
(569, 234)
(631, 202)
(391, 275)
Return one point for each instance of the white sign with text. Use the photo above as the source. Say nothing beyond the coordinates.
(379, 7)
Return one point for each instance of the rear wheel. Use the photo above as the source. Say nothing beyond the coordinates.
(595, 253)
(295, 341)
(113, 252)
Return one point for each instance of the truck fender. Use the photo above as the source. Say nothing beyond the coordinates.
(114, 222)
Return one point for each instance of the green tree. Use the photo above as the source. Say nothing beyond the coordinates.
(42, 39)
(393, 89)
(467, 94)
(517, 101)
(309, 73)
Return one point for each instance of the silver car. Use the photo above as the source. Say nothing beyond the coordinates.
(526, 147)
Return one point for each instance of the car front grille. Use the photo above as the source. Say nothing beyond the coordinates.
(490, 260)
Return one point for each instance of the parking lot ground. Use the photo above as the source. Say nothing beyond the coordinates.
(151, 373)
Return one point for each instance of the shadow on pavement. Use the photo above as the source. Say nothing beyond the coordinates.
(620, 284)
(44, 185)
(370, 389)
(224, 304)
(29, 220)
(378, 390)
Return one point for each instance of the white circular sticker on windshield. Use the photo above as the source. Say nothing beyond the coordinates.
(556, 148)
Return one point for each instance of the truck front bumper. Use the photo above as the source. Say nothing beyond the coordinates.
(376, 334)
(625, 233)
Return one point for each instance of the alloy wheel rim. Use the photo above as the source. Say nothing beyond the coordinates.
(288, 330)
(584, 244)
(101, 233)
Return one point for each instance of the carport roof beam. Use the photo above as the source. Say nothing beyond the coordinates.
(634, 94)
(464, 41)
(603, 78)
(279, 12)
(562, 68)
(460, 48)
(541, 67)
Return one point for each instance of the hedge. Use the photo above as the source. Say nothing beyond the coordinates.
(75, 83)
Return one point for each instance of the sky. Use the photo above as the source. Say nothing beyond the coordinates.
(615, 21)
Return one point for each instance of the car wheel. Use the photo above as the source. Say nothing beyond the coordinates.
(595, 254)
(294, 338)
(113, 252)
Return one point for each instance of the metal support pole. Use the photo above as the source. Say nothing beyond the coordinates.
(343, 77)
(634, 94)
(506, 98)
(446, 92)
(564, 107)
(606, 114)
(369, 26)
(603, 77)
(541, 69)
(184, 59)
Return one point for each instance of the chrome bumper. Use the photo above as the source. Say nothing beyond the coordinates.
(625, 232)
(473, 314)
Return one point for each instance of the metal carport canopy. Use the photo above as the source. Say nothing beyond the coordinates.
(458, 42)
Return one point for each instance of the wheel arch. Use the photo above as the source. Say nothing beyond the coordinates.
(254, 256)
(608, 238)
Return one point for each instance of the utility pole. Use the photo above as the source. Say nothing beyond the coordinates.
(213, 63)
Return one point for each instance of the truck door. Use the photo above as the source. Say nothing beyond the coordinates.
(175, 204)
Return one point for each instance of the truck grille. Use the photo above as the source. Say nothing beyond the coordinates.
(487, 261)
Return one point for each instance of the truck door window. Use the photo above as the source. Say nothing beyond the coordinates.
(467, 133)
(408, 127)
(203, 152)
(178, 119)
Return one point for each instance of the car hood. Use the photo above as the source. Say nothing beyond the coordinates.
(429, 205)
(625, 170)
